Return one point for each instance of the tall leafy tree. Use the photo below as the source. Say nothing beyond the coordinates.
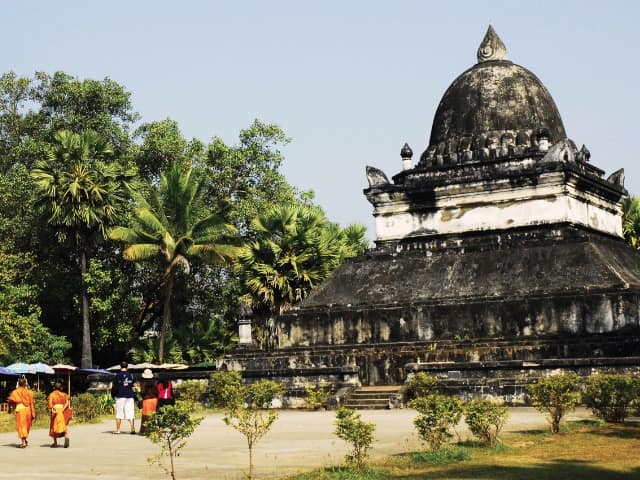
(22, 337)
(174, 226)
(293, 249)
(84, 195)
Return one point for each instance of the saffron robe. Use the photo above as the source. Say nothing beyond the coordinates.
(58, 403)
(22, 399)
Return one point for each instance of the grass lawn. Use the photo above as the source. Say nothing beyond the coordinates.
(583, 451)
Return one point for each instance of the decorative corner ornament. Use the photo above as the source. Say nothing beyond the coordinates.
(491, 47)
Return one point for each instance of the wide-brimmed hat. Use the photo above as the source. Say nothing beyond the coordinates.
(147, 373)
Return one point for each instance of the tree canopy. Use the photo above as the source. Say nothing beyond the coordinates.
(74, 162)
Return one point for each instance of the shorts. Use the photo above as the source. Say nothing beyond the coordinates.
(124, 408)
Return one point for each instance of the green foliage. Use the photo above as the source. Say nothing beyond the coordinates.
(22, 336)
(342, 473)
(631, 221)
(293, 249)
(421, 384)
(40, 402)
(162, 144)
(248, 418)
(439, 414)
(610, 397)
(169, 428)
(191, 393)
(226, 390)
(83, 195)
(485, 419)
(356, 432)
(173, 227)
(262, 393)
(442, 456)
(317, 395)
(105, 403)
(555, 396)
(246, 175)
(86, 407)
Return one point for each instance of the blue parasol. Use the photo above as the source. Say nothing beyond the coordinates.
(42, 368)
(20, 368)
(4, 371)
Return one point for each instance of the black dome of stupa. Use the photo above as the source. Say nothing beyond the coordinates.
(493, 102)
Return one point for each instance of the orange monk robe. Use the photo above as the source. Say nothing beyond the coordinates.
(58, 403)
(149, 406)
(22, 400)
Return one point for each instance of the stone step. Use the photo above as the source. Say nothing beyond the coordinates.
(366, 406)
(367, 395)
(372, 397)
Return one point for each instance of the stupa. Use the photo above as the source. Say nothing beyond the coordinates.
(499, 257)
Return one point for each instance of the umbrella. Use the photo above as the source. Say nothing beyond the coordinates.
(95, 371)
(20, 368)
(62, 368)
(40, 367)
(4, 371)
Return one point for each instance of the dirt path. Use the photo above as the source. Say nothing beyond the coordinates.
(298, 441)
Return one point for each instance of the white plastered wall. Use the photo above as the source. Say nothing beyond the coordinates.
(459, 209)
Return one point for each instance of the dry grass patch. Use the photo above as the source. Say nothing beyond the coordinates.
(584, 451)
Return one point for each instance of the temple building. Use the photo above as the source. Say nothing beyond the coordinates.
(499, 257)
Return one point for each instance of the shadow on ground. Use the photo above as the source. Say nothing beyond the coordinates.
(555, 470)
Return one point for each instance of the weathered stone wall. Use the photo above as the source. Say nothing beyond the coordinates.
(390, 363)
(526, 317)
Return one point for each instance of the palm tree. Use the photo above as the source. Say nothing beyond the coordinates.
(84, 195)
(175, 226)
(631, 221)
(294, 249)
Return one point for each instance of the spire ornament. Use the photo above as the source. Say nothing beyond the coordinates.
(491, 47)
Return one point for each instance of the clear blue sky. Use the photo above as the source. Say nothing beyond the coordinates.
(349, 81)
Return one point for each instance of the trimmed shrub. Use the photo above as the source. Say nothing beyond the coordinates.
(226, 390)
(262, 393)
(421, 384)
(439, 414)
(317, 396)
(485, 420)
(191, 393)
(610, 397)
(556, 396)
(358, 433)
(85, 408)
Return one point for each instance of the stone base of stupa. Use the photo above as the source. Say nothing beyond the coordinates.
(486, 312)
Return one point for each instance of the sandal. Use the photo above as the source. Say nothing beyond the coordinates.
(66, 443)
(116, 433)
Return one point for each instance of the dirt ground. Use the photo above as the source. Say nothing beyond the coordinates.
(298, 441)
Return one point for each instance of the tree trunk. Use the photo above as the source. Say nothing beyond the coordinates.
(166, 316)
(86, 360)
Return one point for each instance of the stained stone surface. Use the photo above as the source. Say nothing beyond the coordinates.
(499, 258)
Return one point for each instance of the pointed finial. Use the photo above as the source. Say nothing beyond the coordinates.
(406, 151)
(491, 47)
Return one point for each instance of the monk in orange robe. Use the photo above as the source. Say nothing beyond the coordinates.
(21, 400)
(60, 408)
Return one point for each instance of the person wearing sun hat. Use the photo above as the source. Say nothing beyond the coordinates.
(149, 391)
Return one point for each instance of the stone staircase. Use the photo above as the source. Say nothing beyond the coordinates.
(372, 398)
